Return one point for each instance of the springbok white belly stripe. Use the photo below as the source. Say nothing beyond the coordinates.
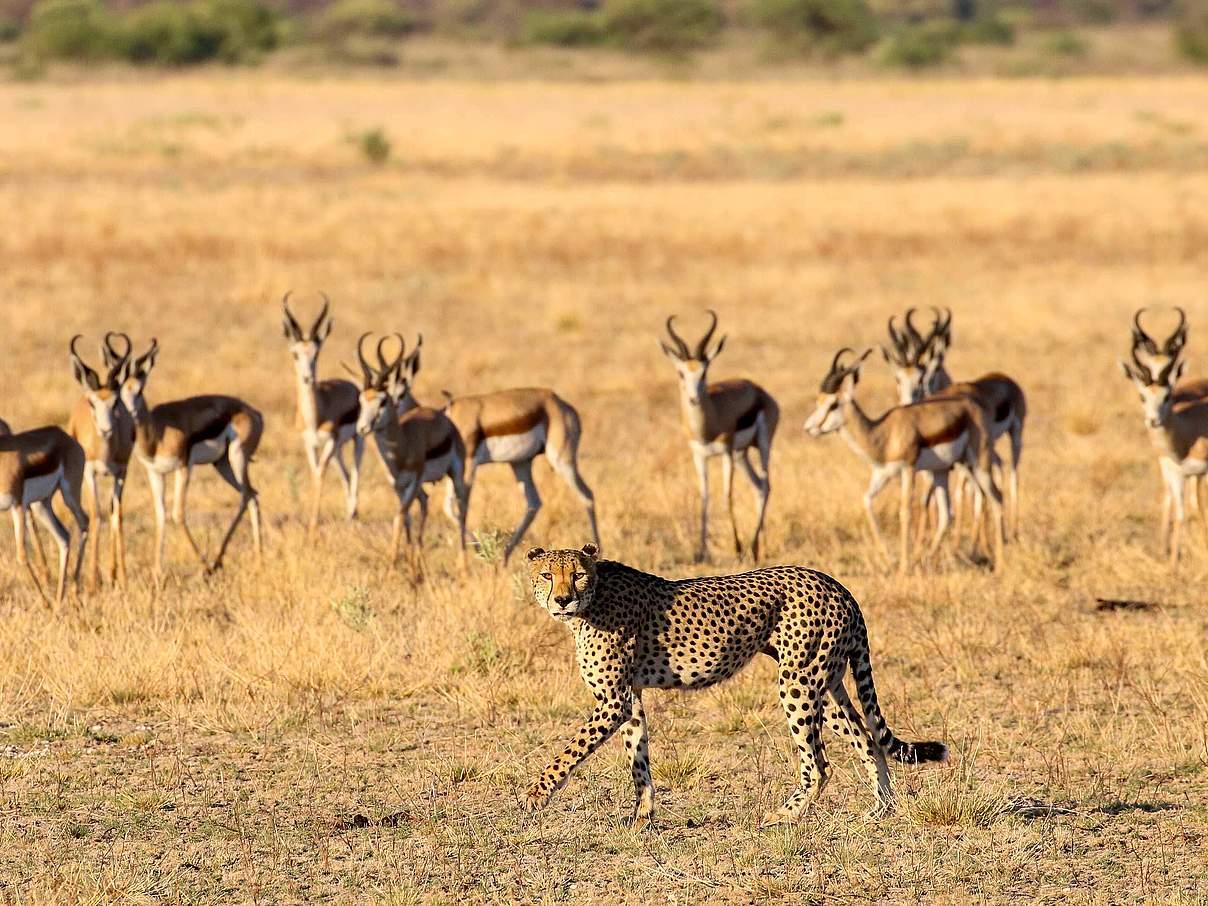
(511, 447)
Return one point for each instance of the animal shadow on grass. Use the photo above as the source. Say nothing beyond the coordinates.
(358, 821)
(1150, 808)
(1106, 605)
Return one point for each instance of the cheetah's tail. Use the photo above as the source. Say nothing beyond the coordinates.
(900, 750)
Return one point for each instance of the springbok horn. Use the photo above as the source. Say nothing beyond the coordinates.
(1140, 337)
(90, 376)
(704, 341)
(366, 371)
(314, 331)
(680, 345)
(291, 323)
(916, 338)
(113, 358)
(1176, 340)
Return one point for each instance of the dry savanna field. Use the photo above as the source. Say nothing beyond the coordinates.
(217, 741)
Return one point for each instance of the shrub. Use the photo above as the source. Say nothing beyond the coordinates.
(1191, 32)
(174, 34)
(919, 46)
(1066, 44)
(374, 144)
(168, 34)
(246, 28)
(564, 28)
(347, 19)
(662, 26)
(832, 26)
(69, 30)
(10, 30)
(987, 30)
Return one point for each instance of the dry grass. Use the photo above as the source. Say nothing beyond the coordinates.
(215, 742)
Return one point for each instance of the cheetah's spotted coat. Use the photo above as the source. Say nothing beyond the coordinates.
(636, 631)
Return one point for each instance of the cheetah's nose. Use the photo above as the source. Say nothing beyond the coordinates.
(563, 599)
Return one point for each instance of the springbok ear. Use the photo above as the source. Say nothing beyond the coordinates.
(590, 550)
(534, 553)
(885, 354)
(325, 331)
(1178, 372)
(669, 352)
(1127, 369)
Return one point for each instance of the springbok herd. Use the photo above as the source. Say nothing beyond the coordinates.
(940, 426)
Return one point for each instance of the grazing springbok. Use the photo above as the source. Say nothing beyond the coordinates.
(726, 419)
(103, 427)
(34, 466)
(174, 437)
(515, 427)
(931, 436)
(1179, 432)
(1000, 397)
(327, 411)
(418, 446)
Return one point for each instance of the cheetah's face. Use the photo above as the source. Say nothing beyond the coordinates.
(563, 581)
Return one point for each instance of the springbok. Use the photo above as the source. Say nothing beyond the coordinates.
(34, 465)
(1000, 397)
(327, 411)
(1179, 432)
(931, 436)
(418, 446)
(1152, 358)
(726, 419)
(103, 427)
(174, 437)
(514, 427)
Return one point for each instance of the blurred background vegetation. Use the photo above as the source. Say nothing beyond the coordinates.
(906, 34)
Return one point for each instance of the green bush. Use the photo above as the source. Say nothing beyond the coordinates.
(246, 28)
(1191, 32)
(374, 144)
(167, 34)
(1065, 44)
(347, 19)
(564, 28)
(10, 30)
(831, 26)
(662, 26)
(920, 46)
(70, 30)
(987, 30)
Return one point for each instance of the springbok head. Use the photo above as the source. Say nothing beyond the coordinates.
(136, 373)
(915, 358)
(836, 389)
(692, 366)
(1155, 390)
(379, 386)
(1153, 357)
(304, 345)
(104, 395)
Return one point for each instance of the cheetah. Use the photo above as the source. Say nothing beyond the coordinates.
(636, 631)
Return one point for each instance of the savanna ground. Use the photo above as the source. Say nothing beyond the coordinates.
(217, 741)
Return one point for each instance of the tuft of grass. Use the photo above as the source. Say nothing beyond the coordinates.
(373, 144)
(354, 608)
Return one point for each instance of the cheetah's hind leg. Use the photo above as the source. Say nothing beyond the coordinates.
(803, 695)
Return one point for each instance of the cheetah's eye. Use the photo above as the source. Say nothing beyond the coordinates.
(547, 577)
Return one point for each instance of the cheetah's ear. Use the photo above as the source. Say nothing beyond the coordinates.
(590, 550)
(534, 553)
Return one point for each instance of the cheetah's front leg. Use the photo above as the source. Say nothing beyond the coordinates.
(605, 720)
(636, 744)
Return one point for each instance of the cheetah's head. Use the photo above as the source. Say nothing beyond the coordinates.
(563, 581)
